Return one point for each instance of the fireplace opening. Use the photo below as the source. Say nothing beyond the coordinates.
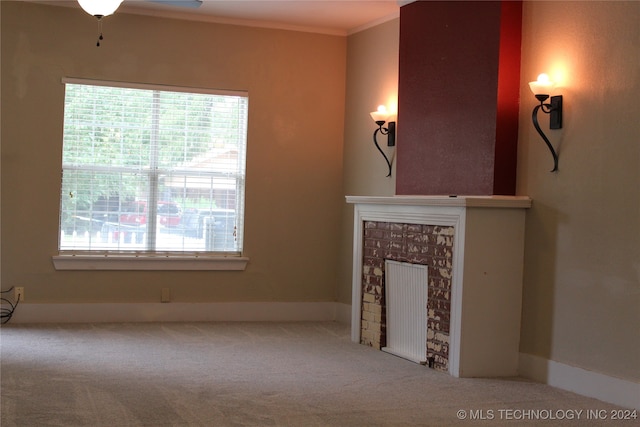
(427, 246)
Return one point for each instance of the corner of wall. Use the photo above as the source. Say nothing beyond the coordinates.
(581, 381)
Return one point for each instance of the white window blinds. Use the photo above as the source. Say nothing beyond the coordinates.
(152, 169)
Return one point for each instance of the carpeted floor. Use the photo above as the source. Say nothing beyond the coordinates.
(251, 374)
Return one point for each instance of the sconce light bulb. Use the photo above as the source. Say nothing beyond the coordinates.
(542, 86)
(380, 115)
(543, 78)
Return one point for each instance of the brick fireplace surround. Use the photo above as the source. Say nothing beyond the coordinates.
(429, 245)
(473, 248)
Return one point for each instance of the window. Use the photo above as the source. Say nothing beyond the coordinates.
(152, 170)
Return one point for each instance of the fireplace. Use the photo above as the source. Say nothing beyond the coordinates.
(420, 244)
(473, 248)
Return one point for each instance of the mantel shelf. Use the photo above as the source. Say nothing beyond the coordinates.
(453, 201)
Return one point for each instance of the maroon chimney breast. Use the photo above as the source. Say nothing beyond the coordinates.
(459, 77)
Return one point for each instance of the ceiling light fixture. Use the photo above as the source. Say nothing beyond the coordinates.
(99, 9)
(541, 88)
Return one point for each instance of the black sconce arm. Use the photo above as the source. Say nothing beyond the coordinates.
(390, 132)
(554, 109)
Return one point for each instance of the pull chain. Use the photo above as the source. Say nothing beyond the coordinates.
(99, 32)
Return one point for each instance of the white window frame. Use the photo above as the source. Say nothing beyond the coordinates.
(150, 260)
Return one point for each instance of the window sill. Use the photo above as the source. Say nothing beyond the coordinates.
(128, 262)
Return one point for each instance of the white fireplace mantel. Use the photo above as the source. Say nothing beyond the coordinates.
(487, 264)
(446, 201)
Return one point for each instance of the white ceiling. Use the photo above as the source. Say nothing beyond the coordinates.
(339, 17)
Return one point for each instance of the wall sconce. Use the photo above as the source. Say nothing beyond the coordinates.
(99, 9)
(381, 116)
(541, 88)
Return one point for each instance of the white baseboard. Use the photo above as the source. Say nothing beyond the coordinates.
(343, 313)
(175, 312)
(587, 383)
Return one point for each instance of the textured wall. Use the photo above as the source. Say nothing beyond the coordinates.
(581, 295)
(458, 97)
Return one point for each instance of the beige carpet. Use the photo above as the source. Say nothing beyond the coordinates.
(250, 374)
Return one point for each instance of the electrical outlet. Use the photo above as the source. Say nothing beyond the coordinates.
(18, 293)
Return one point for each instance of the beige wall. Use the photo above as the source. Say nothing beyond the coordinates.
(296, 86)
(581, 297)
(372, 79)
